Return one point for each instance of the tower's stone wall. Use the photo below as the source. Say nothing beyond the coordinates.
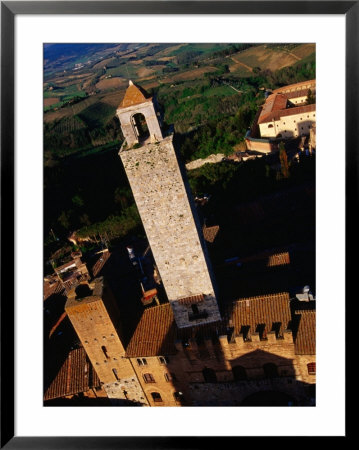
(161, 197)
(127, 126)
(95, 329)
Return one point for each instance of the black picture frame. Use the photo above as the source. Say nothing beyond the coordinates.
(9, 9)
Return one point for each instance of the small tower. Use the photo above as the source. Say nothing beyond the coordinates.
(168, 213)
(138, 117)
(92, 311)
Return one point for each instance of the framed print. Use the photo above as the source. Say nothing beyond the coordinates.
(163, 193)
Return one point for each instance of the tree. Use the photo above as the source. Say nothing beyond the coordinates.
(283, 161)
(310, 98)
(77, 201)
(64, 219)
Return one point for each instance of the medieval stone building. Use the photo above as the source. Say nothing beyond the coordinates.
(167, 211)
(193, 350)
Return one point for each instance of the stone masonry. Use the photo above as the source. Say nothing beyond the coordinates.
(167, 212)
(161, 197)
(89, 315)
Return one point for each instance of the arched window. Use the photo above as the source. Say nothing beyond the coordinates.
(239, 373)
(156, 397)
(140, 126)
(209, 375)
(270, 370)
(270, 125)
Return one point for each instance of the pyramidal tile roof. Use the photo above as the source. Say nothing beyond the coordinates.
(134, 96)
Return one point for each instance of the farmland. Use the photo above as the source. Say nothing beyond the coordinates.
(210, 92)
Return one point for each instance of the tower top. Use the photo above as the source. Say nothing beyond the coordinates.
(135, 95)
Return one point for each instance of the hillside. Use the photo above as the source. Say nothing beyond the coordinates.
(195, 84)
(209, 92)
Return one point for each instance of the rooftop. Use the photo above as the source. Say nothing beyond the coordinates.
(276, 115)
(85, 293)
(295, 86)
(76, 375)
(266, 309)
(134, 96)
(304, 339)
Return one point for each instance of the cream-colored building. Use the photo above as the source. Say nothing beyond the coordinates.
(286, 113)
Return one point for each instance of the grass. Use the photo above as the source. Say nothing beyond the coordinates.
(220, 91)
(97, 115)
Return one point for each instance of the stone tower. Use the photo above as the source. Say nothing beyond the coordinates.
(93, 313)
(167, 211)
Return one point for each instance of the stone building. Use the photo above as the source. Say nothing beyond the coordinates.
(263, 346)
(284, 115)
(92, 311)
(167, 211)
(184, 352)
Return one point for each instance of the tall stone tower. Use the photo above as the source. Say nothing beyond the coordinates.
(167, 211)
(92, 311)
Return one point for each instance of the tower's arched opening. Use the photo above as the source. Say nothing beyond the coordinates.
(140, 127)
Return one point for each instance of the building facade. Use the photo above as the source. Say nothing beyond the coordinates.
(260, 350)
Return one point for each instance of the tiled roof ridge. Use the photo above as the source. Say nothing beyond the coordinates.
(293, 85)
(264, 296)
(276, 115)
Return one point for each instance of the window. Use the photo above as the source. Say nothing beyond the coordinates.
(103, 348)
(270, 370)
(142, 361)
(115, 373)
(261, 329)
(156, 397)
(277, 328)
(163, 359)
(239, 373)
(270, 125)
(148, 377)
(195, 309)
(170, 377)
(139, 361)
(209, 375)
(245, 331)
(311, 368)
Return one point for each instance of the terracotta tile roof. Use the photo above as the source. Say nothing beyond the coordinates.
(210, 233)
(205, 330)
(134, 96)
(52, 287)
(76, 375)
(295, 86)
(100, 263)
(305, 337)
(276, 115)
(155, 333)
(279, 259)
(267, 309)
(191, 300)
(298, 93)
(270, 258)
(274, 102)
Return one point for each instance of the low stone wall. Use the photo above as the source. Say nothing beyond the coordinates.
(212, 159)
